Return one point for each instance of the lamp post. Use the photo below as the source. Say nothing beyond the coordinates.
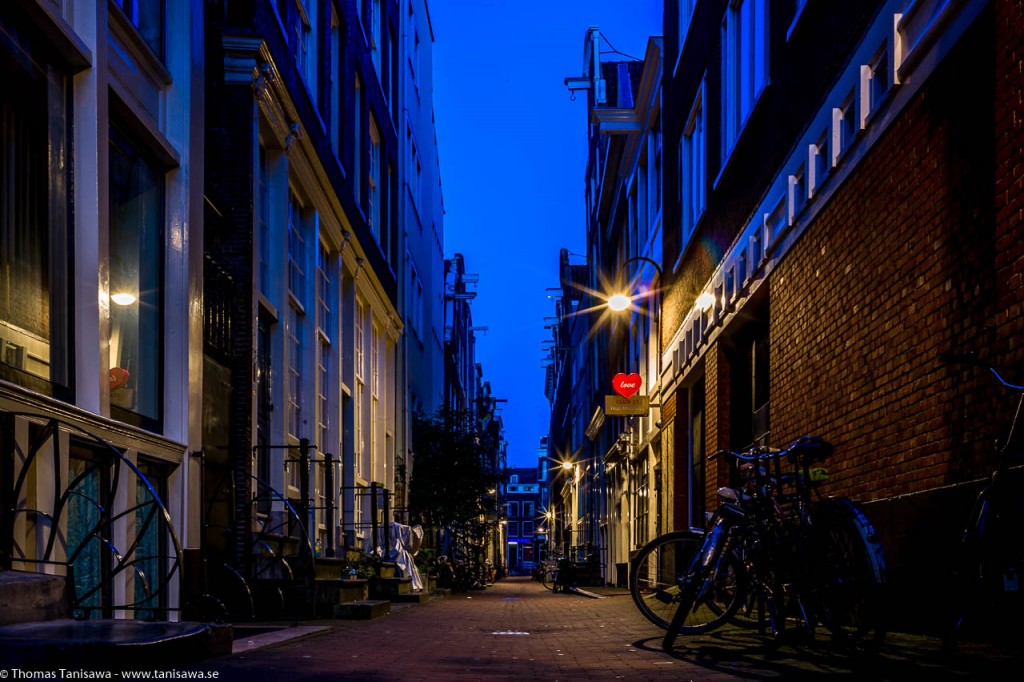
(620, 301)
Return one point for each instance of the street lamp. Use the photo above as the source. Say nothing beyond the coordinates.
(620, 301)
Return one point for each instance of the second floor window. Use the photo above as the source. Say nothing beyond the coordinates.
(744, 65)
(373, 180)
(294, 341)
(136, 258)
(147, 16)
(693, 168)
(296, 248)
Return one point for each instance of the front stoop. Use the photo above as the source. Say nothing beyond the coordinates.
(421, 597)
(366, 609)
(111, 644)
(390, 588)
(27, 597)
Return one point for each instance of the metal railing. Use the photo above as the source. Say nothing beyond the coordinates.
(71, 519)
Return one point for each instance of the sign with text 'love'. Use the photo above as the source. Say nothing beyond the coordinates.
(626, 385)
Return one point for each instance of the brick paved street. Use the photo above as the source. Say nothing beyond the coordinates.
(515, 630)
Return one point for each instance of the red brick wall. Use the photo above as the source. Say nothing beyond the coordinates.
(918, 253)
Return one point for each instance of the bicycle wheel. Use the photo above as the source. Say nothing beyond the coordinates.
(548, 574)
(985, 586)
(850, 574)
(656, 583)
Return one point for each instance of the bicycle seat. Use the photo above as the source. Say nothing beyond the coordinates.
(808, 450)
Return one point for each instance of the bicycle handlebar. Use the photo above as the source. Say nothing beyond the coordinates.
(804, 450)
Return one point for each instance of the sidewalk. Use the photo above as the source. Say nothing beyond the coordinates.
(518, 631)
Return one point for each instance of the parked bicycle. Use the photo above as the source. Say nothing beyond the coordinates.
(773, 551)
(988, 566)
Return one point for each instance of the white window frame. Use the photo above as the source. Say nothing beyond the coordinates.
(373, 178)
(693, 168)
(744, 66)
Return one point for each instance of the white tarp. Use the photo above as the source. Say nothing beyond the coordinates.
(404, 542)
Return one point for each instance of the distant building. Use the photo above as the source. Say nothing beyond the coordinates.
(526, 524)
(606, 489)
(421, 215)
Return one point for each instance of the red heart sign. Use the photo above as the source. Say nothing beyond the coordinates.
(626, 385)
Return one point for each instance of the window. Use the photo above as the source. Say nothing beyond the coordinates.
(296, 249)
(693, 168)
(641, 503)
(528, 510)
(147, 16)
(415, 170)
(135, 284)
(151, 550)
(685, 17)
(358, 396)
(34, 135)
(513, 529)
(323, 293)
(264, 406)
(415, 320)
(357, 342)
(527, 529)
(413, 49)
(373, 182)
(294, 343)
(375, 41)
(323, 408)
(263, 222)
(336, 79)
(357, 143)
(306, 47)
(374, 361)
(513, 510)
(744, 65)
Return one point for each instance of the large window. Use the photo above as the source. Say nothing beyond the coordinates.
(294, 343)
(744, 65)
(641, 502)
(263, 221)
(147, 16)
(34, 335)
(136, 259)
(373, 180)
(375, 37)
(693, 168)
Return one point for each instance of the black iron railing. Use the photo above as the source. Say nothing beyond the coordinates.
(59, 509)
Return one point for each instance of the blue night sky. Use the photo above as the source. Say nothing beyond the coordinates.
(513, 149)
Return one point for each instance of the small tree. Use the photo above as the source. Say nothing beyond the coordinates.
(451, 471)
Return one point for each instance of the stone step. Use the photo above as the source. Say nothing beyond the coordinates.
(111, 644)
(26, 597)
(365, 609)
(387, 588)
(421, 597)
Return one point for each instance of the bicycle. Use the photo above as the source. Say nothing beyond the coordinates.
(988, 567)
(774, 547)
(552, 573)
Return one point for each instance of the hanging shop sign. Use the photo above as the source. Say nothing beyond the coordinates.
(617, 406)
(627, 403)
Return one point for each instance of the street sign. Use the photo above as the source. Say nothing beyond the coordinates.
(619, 406)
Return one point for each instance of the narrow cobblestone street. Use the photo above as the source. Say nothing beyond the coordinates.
(516, 630)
